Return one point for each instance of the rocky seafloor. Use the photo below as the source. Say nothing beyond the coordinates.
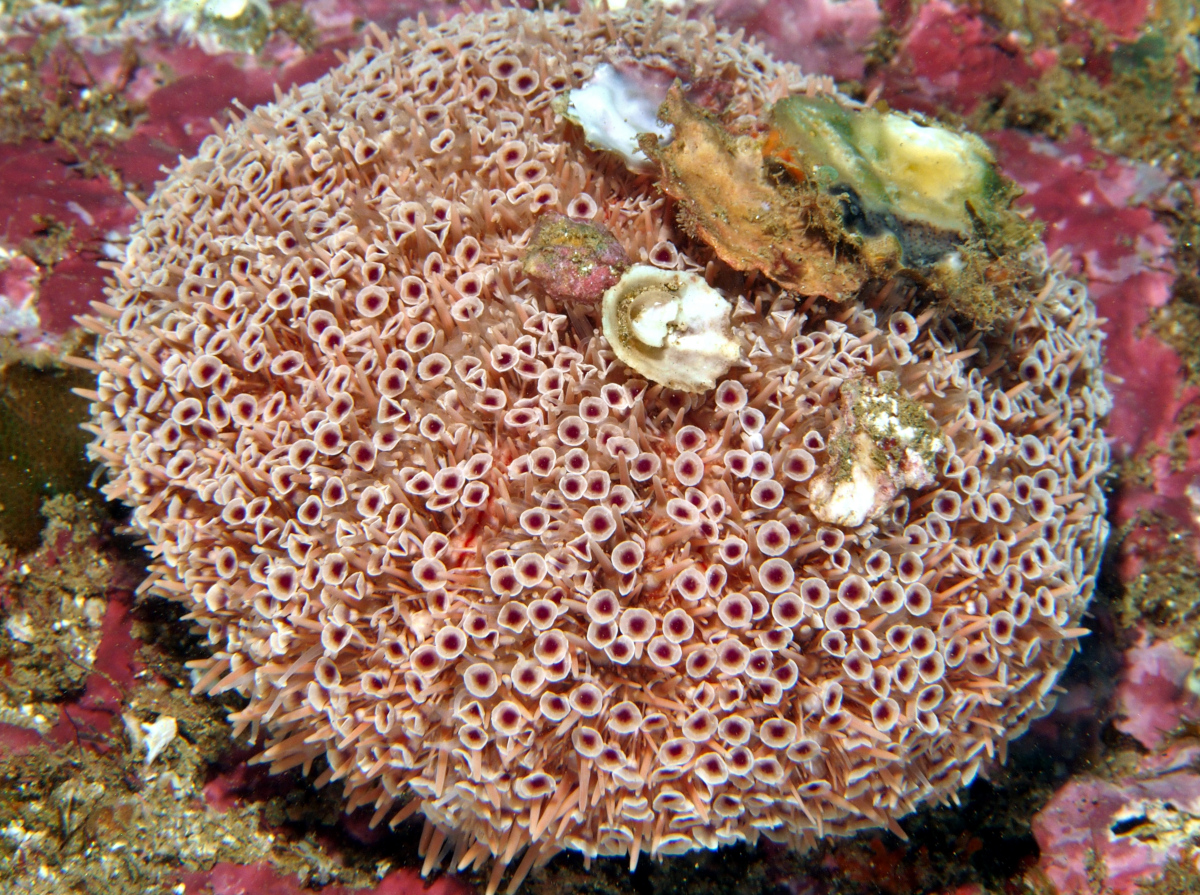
(113, 778)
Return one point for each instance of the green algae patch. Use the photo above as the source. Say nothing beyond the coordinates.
(1179, 877)
(48, 93)
(42, 448)
(1177, 322)
(1164, 595)
(63, 807)
(1146, 107)
(52, 607)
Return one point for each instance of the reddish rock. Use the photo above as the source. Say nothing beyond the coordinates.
(1125, 831)
(1123, 18)
(1152, 698)
(823, 36)
(573, 262)
(1095, 207)
(952, 57)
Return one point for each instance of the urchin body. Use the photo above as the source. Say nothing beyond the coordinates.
(438, 535)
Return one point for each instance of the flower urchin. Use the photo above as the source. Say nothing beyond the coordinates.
(440, 537)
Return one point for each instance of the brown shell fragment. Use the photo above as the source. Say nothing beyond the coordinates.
(726, 199)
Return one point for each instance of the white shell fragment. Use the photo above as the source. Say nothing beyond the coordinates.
(671, 327)
(20, 628)
(848, 499)
(158, 736)
(884, 443)
(613, 109)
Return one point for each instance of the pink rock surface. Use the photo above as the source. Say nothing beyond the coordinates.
(952, 57)
(1123, 18)
(1152, 699)
(1096, 207)
(183, 89)
(92, 718)
(37, 179)
(1122, 830)
(18, 300)
(826, 36)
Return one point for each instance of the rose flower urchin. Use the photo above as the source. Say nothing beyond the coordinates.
(445, 540)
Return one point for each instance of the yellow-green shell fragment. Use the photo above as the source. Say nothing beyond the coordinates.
(670, 327)
(895, 164)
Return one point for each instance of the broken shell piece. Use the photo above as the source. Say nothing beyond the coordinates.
(158, 736)
(913, 195)
(830, 197)
(853, 490)
(612, 108)
(899, 167)
(20, 628)
(883, 443)
(671, 327)
(727, 199)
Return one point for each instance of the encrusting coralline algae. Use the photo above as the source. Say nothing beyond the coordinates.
(449, 545)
